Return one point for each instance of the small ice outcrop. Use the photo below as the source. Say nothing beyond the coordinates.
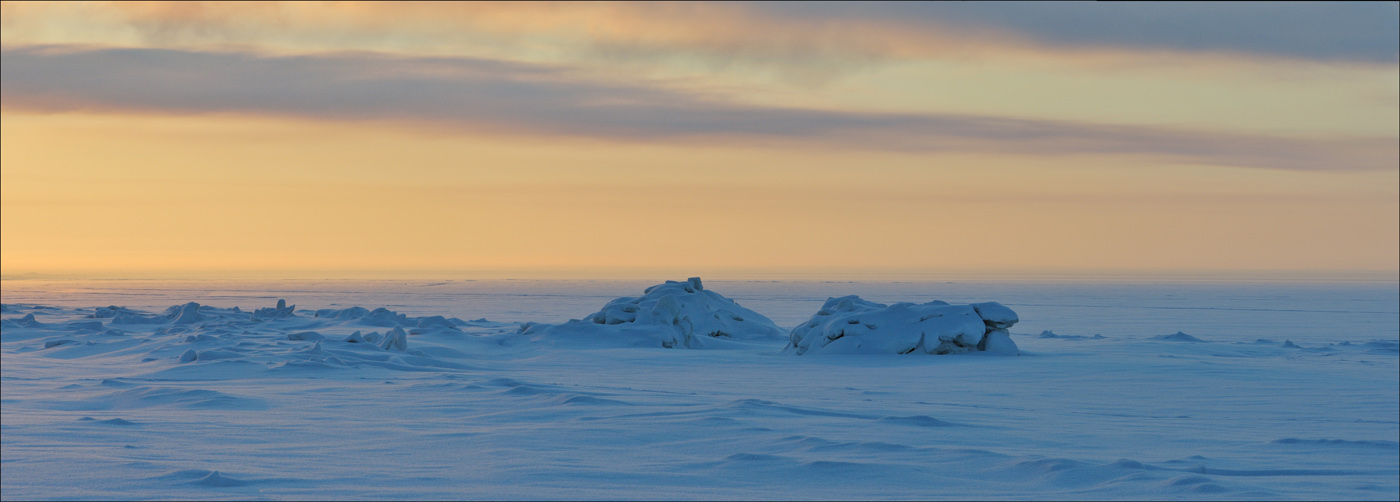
(435, 322)
(996, 315)
(189, 356)
(852, 325)
(395, 339)
(383, 317)
(280, 311)
(27, 321)
(1178, 337)
(355, 338)
(998, 341)
(343, 314)
(673, 314)
(110, 311)
(214, 479)
(188, 314)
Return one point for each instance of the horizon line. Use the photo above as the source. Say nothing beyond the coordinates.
(800, 274)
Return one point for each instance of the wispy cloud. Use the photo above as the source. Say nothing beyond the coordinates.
(499, 97)
(774, 32)
(1320, 31)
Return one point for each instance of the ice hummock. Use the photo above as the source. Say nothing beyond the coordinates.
(852, 325)
(672, 314)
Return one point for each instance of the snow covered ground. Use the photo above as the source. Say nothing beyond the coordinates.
(1122, 391)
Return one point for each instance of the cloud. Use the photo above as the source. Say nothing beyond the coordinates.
(1322, 31)
(814, 36)
(499, 97)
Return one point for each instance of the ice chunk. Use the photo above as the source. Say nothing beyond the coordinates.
(343, 314)
(995, 315)
(188, 314)
(998, 341)
(673, 314)
(280, 311)
(436, 321)
(395, 339)
(1178, 337)
(110, 312)
(383, 317)
(852, 325)
(27, 321)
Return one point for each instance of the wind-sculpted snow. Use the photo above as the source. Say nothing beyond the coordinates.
(673, 314)
(327, 400)
(269, 339)
(850, 325)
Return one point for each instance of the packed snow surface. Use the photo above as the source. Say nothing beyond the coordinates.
(405, 390)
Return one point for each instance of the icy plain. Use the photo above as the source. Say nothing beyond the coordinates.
(1122, 391)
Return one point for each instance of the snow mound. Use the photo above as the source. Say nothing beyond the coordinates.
(340, 314)
(673, 314)
(178, 314)
(851, 325)
(1179, 337)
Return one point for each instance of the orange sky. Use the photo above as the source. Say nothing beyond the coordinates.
(155, 138)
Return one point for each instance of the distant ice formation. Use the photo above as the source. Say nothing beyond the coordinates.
(673, 314)
(1178, 337)
(851, 325)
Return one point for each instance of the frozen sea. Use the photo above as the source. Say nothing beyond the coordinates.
(1291, 392)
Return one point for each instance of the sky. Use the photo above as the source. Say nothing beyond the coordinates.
(996, 137)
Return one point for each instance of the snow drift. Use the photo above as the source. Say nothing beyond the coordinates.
(673, 314)
(851, 325)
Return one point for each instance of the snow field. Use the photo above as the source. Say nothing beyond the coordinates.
(199, 401)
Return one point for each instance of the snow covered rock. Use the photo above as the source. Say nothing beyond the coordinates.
(673, 314)
(851, 325)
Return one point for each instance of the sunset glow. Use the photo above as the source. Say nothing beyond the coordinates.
(325, 136)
